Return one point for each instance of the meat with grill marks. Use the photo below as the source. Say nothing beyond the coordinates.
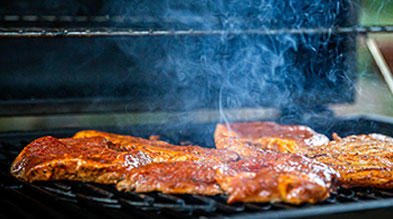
(161, 151)
(277, 177)
(247, 138)
(186, 177)
(361, 160)
(271, 177)
(91, 159)
(101, 157)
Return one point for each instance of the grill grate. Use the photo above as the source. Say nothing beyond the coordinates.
(129, 32)
(87, 200)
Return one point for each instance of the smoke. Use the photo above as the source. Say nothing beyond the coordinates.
(296, 73)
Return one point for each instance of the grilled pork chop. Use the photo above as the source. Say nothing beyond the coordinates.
(361, 160)
(275, 177)
(161, 151)
(247, 138)
(101, 159)
(174, 177)
(86, 159)
(271, 177)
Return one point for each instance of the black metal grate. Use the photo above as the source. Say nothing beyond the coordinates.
(88, 200)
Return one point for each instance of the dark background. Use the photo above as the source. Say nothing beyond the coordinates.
(179, 73)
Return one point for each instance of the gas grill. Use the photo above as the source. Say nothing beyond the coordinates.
(179, 57)
(77, 199)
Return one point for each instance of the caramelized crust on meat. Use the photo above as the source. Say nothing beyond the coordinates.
(361, 160)
(101, 157)
(124, 142)
(275, 177)
(85, 159)
(248, 138)
(185, 177)
(161, 151)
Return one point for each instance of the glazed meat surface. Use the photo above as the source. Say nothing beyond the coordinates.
(101, 157)
(361, 160)
(275, 177)
(161, 151)
(271, 177)
(185, 177)
(247, 138)
(86, 159)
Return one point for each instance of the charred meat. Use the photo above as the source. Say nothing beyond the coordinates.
(161, 151)
(247, 138)
(361, 160)
(270, 177)
(277, 177)
(86, 159)
(185, 177)
(101, 157)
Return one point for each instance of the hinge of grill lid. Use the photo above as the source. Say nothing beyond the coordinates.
(315, 115)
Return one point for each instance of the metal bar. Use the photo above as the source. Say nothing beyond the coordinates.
(114, 32)
(109, 18)
(356, 207)
(380, 61)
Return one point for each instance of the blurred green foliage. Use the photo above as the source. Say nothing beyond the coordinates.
(376, 12)
(373, 12)
(373, 96)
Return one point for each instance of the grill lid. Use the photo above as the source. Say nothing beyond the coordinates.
(176, 72)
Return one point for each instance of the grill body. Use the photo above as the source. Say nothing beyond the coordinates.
(76, 199)
(241, 55)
